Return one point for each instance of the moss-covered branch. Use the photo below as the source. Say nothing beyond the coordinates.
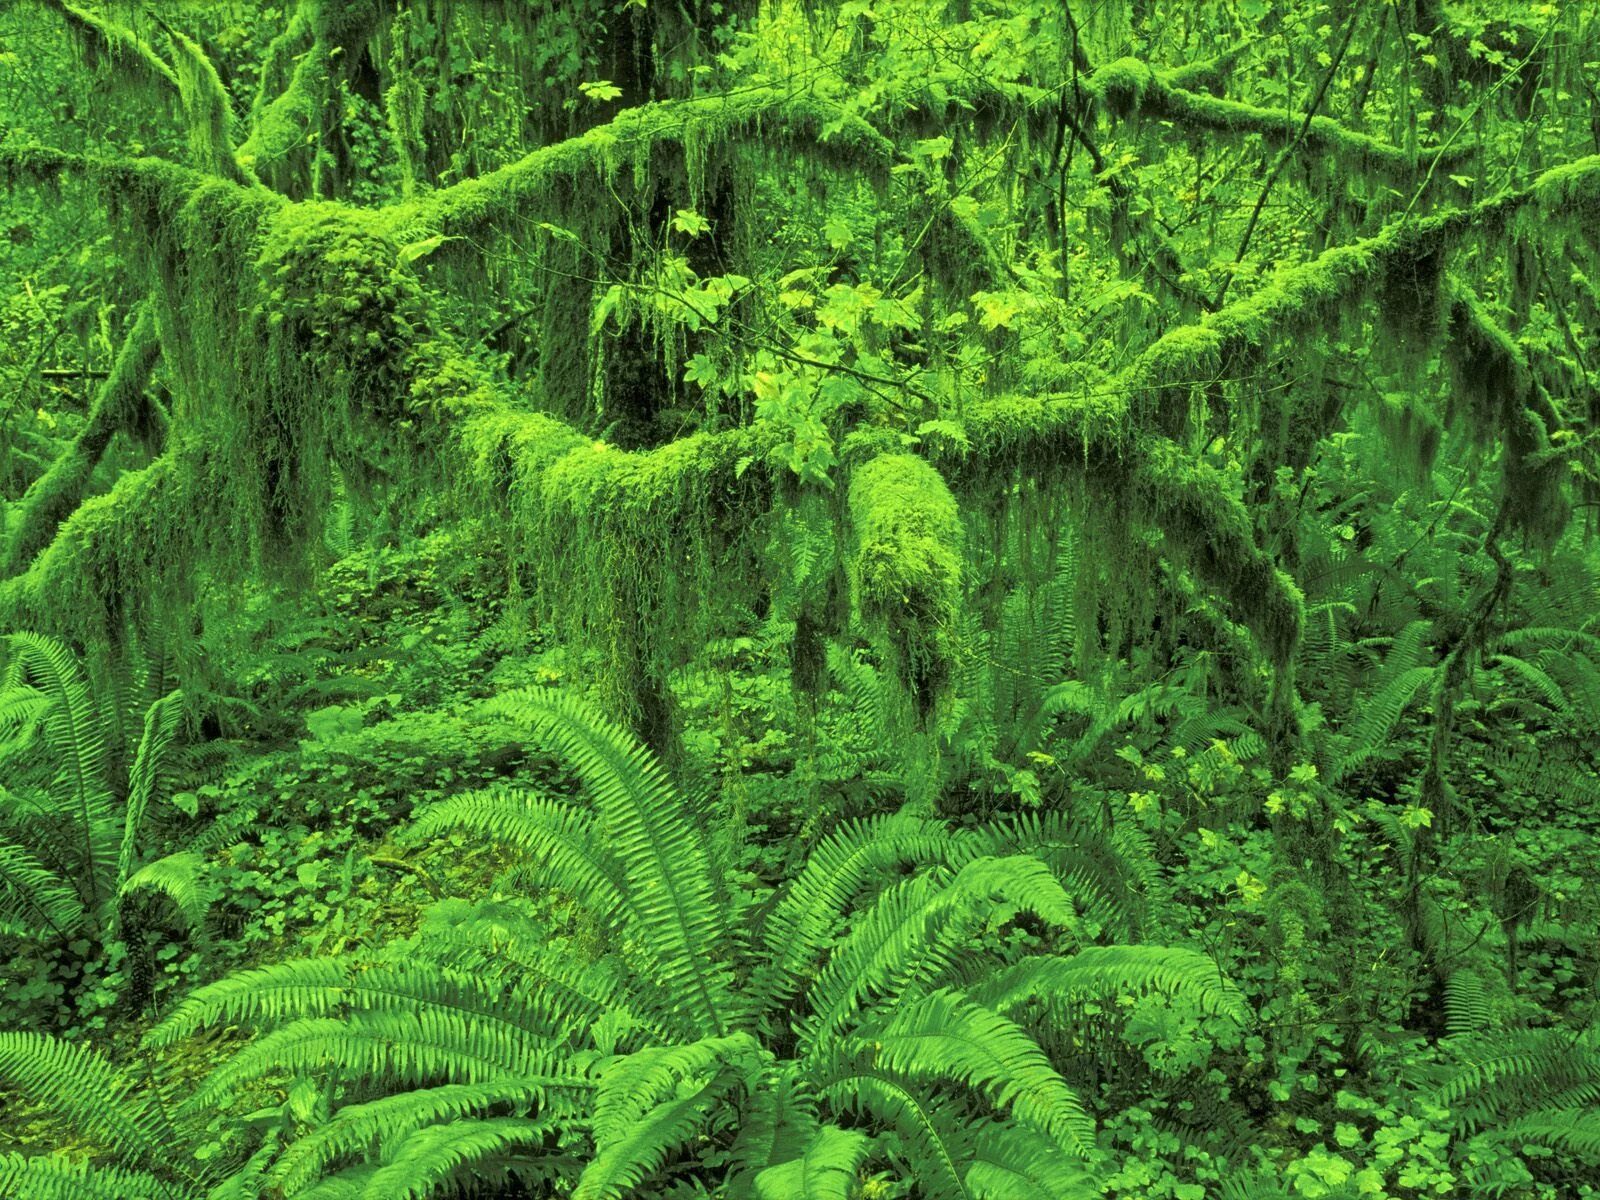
(119, 405)
(692, 127)
(1129, 86)
(117, 44)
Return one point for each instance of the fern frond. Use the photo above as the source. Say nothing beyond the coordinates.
(1014, 1162)
(1574, 1130)
(562, 839)
(825, 1170)
(440, 1158)
(860, 1087)
(76, 733)
(808, 915)
(779, 1122)
(914, 933)
(1380, 714)
(1103, 973)
(327, 987)
(184, 878)
(59, 1178)
(635, 1083)
(83, 1087)
(623, 1163)
(1466, 1002)
(160, 727)
(32, 896)
(677, 914)
(356, 1128)
(946, 1037)
(396, 1049)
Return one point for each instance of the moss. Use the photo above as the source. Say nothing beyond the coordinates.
(1122, 84)
(1129, 85)
(1191, 504)
(117, 44)
(550, 175)
(906, 566)
(1502, 403)
(117, 406)
(1571, 191)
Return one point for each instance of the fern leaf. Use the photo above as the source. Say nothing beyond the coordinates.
(632, 1085)
(356, 1128)
(82, 1086)
(32, 896)
(1013, 1162)
(160, 727)
(622, 1164)
(915, 932)
(562, 839)
(1104, 973)
(76, 734)
(946, 1037)
(59, 1178)
(443, 1157)
(808, 915)
(397, 1049)
(671, 890)
(184, 878)
(825, 1171)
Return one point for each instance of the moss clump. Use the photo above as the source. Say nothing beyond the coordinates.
(1571, 191)
(1122, 84)
(906, 569)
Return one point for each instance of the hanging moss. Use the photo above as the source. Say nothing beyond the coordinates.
(547, 180)
(117, 45)
(1503, 402)
(208, 113)
(906, 567)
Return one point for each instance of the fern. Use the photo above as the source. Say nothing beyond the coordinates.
(945, 1036)
(825, 1170)
(668, 866)
(55, 1178)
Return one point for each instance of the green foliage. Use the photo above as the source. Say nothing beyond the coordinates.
(1081, 518)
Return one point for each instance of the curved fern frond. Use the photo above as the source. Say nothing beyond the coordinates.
(562, 839)
(1380, 714)
(76, 734)
(32, 896)
(1103, 973)
(396, 1049)
(914, 933)
(808, 915)
(947, 1038)
(623, 1163)
(327, 987)
(356, 1128)
(82, 1086)
(826, 1170)
(1014, 1162)
(440, 1158)
(633, 1084)
(1576, 1131)
(668, 868)
(860, 1087)
(183, 878)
